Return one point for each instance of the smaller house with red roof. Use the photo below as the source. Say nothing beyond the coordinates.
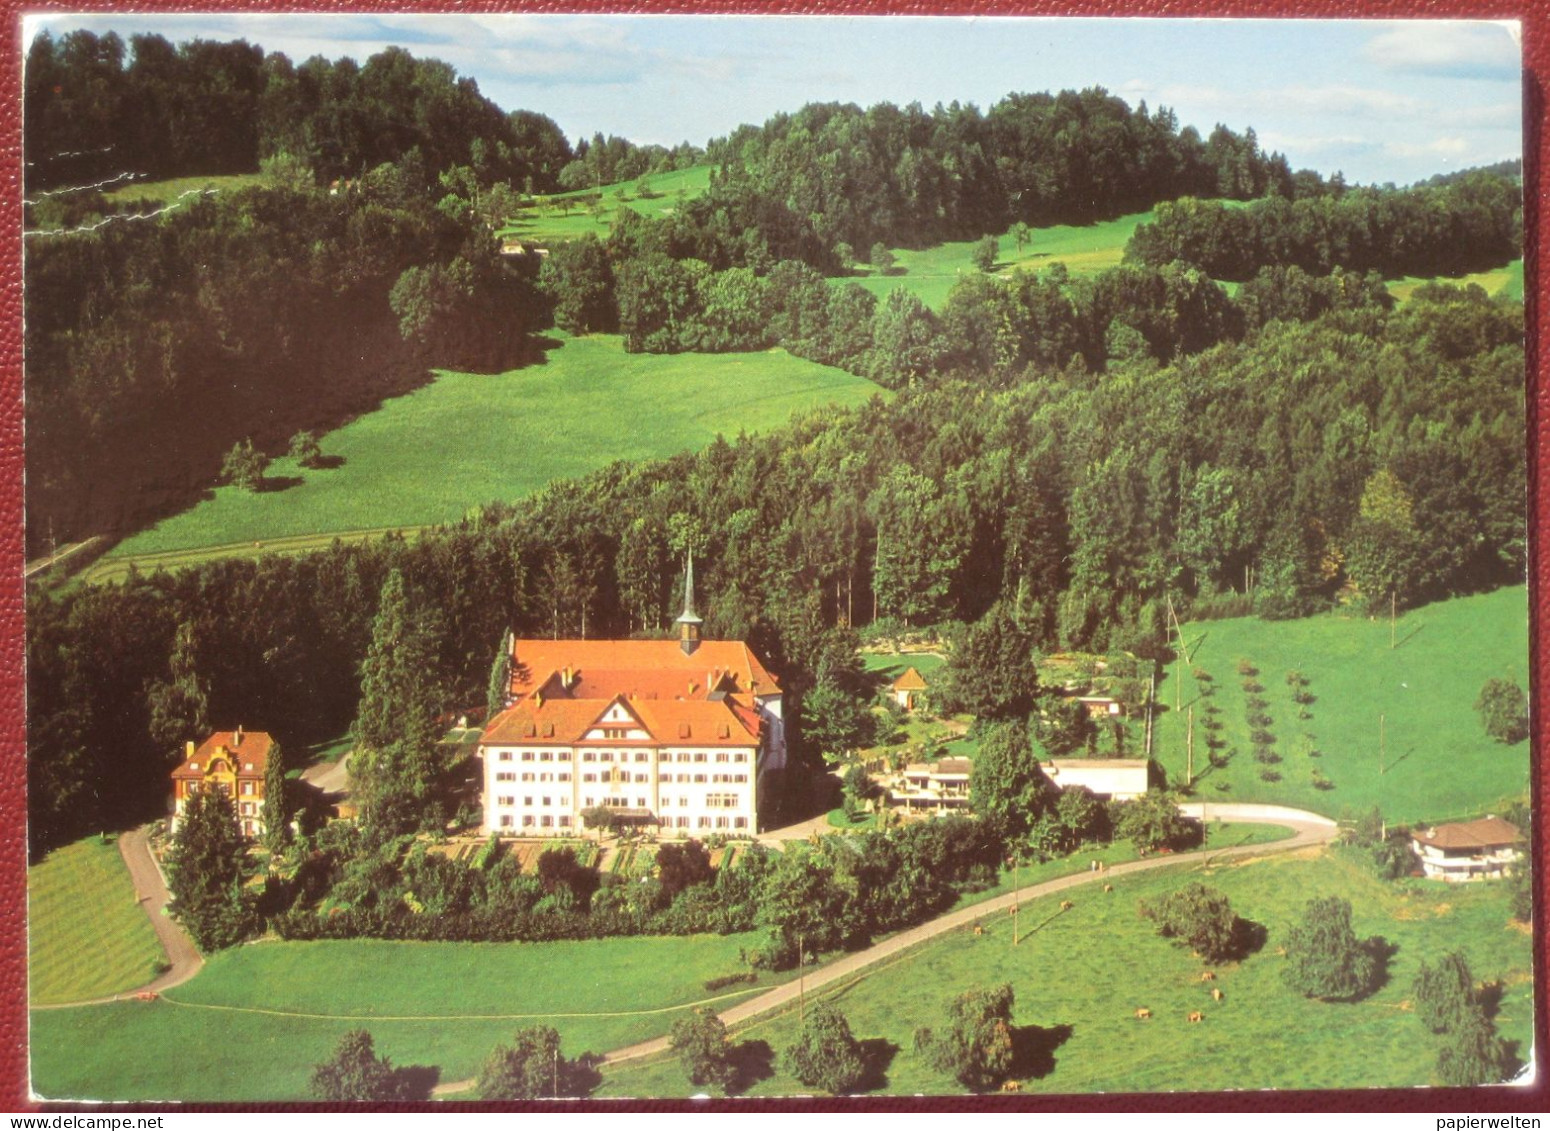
(1487, 849)
(907, 689)
(232, 762)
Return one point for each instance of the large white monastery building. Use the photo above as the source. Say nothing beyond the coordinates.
(672, 734)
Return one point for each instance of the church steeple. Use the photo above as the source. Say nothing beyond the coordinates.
(688, 621)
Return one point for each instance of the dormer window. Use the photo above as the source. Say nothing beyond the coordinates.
(194, 766)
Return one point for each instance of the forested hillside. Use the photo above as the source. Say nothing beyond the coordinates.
(1064, 455)
(1364, 454)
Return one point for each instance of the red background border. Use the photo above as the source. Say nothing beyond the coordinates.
(13, 949)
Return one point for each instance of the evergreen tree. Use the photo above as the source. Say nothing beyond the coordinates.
(500, 679)
(395, 764)
(1008, 789)
(205, 872)
(277, 808)
(180, 705)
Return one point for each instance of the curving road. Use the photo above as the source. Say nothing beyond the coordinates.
(1310, 828)
(183, 959)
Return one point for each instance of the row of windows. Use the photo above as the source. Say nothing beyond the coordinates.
(545, 821)
(722, 801)
(507, 775)
(730, 802)
(608, 756)
(720, 779)
(529, 821)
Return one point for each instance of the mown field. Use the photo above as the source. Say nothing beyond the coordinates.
(86, 934)
(1080, 975)
(469, 439)
(164, 192)
(567, 215)
(1500, 282)
(445, 1005)
(257, 1018)
(1436, 761)
(930, 273)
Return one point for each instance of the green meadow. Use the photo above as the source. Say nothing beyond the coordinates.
(567, 215)
(1429, 759)
(1500, 282)
(468, 439)
(87, 935)
(930, 273)
(257, 1018)
(1079, 976)
(164, 192)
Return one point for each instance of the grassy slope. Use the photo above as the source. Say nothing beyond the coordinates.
(1439, 761)
(167, 1050)
(1505, 282)
(169, 190)
(441, 997)
(1260, 1036)
(931, 272)
(466, 439)
(87, 936)
(544, 223)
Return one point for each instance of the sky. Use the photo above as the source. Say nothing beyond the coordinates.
(1379, 101)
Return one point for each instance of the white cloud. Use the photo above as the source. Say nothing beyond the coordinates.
(1450, 49)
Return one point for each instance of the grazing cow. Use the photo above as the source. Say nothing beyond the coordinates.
(1207, 976)
(1143, 1014)
(978, 930)
(1108, 887)
(1196, 1016)
(1216, 994)
(1011, 1086)
(1065, 905)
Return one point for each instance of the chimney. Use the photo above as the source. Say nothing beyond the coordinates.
(188, 749)
(237, 738)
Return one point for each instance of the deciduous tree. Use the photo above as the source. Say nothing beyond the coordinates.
(1503, 710)
(704, 1049)
(825, 1055)
(975, 1048)
(531, 1068)
(1325, 959)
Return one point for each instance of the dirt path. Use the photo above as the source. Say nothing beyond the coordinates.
(1310, 828)
(151, 888)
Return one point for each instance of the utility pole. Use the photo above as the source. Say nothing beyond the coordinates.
(801, 983)
(1189, 748)
(1392, 603)
(1178, 689)
(1016, 899)
(1151, 701)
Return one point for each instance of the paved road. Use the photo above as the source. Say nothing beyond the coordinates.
(150, 886)
(1311, 829)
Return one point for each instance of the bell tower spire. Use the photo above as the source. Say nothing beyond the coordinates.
(688, 621)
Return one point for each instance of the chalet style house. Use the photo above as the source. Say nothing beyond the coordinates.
(669, 734)
(233, 762)
(907, 689)
(1489, 848)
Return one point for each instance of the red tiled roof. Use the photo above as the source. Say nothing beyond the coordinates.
(670, 722)
(1488, 832)
(253, 749)
(911, 680)
(606, 668)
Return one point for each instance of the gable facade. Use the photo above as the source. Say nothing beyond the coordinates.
(230, 762)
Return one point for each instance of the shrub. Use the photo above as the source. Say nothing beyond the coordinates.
(704, 1049)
